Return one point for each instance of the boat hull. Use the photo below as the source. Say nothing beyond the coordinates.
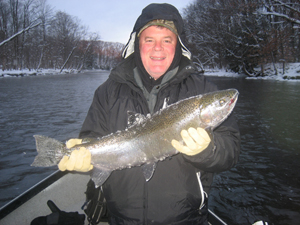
(67, 193)
(65, 189)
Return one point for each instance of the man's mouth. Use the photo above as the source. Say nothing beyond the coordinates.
(157, 58)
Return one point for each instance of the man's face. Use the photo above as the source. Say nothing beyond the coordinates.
(157, 48)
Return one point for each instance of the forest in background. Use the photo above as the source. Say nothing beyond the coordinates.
(238, 35)
(241, 35)
(33, 36)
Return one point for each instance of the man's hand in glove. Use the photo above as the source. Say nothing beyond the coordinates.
(196, 141)
(79, 160)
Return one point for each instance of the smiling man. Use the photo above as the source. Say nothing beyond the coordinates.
(157, 48)
(157, 69)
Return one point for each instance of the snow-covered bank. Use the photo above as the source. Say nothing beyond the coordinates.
(26, 72)
(291, 72)
(221, 73)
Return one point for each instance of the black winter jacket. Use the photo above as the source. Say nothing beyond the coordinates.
(172, 196)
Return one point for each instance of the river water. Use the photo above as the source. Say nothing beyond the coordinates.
(264, 185)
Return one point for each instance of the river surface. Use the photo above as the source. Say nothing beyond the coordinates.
(264, 185)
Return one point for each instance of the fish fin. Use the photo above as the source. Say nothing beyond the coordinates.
(50, 151)
(134, 118)
(148, 170)
(165, 105)
(99, 176)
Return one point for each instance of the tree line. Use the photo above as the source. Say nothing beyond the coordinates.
(242, 35)
(34, 36)
(239, 35)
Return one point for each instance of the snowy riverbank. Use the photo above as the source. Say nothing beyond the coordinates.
(291, 72)
(26, 72)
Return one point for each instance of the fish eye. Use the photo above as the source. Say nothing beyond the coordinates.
(222, 102)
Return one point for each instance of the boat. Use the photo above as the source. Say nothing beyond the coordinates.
(65, 189)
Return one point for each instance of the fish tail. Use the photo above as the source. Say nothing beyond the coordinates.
(50, 151)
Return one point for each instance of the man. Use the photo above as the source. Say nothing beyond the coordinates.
(156, 68)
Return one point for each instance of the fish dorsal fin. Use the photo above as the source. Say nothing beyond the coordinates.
(134, 118)
(148, 170)
(99, 176)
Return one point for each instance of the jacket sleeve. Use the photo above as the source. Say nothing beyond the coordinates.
(95, 123)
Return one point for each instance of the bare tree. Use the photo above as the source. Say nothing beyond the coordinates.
(65, 35)
(4, 17)
(44, 13)
(242, 34)
(19, 33)
(284, 17)
(87, 51)
(32, 37)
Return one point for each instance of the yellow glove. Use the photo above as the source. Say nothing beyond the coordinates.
(196, 141)
(72, 142)
(79, 160)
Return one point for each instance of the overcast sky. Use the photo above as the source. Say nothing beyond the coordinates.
(113, 20)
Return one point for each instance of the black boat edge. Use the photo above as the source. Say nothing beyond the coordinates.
(30, 193)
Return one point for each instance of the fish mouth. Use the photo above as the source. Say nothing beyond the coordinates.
(234, 99)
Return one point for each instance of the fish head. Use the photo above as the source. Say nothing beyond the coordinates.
(216, 106)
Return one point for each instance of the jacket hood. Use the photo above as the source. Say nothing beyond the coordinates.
(153, 12)
(159, 11)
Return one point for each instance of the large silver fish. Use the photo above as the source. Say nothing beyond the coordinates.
(147, 138)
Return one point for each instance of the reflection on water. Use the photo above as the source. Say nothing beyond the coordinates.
(264, 185)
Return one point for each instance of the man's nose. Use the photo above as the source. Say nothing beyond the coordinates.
(158, 46)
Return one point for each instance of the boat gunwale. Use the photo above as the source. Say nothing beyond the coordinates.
(30, 193)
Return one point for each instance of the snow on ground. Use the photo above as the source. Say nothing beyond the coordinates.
(26, 72)
(221, 73)
(291, 73)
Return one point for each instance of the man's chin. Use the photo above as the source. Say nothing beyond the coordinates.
(157, 72)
